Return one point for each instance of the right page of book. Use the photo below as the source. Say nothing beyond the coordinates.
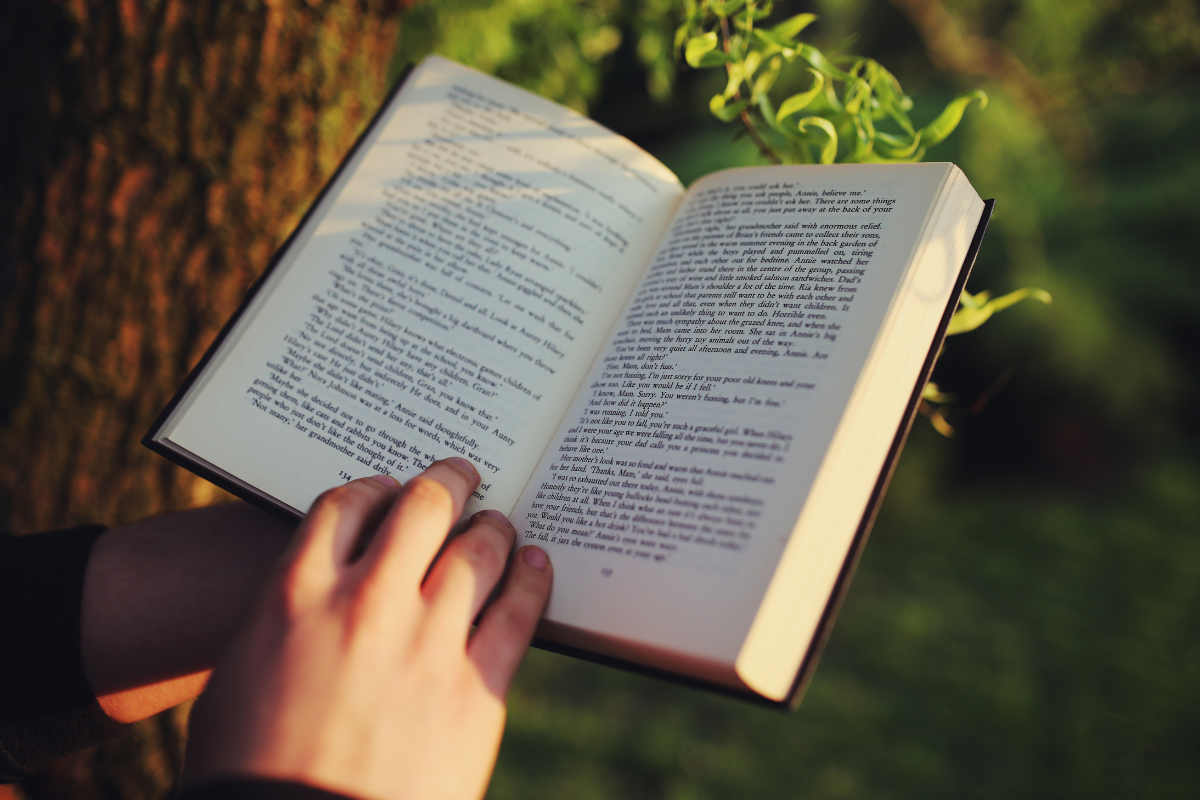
(678, 474)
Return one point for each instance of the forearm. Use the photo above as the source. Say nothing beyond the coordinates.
(162, 597)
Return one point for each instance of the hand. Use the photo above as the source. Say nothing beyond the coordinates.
(354, 674)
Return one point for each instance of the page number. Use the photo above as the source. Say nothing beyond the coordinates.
(606, 572)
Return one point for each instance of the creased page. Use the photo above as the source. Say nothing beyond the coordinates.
(682, 465)
(456, 284)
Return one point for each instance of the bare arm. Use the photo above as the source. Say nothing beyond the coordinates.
(162, 598)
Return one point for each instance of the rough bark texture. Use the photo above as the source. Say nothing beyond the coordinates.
(152, 156)
(168, 147)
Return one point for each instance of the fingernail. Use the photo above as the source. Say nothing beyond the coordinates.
(496, 515)
(464, 465)
(535, 557)
(386, 480)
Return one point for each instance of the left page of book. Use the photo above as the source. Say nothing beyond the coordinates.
(445, 297)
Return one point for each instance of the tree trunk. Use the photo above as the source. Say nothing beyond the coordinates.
(155, 153)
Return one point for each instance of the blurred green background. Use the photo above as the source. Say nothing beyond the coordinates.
(1025, 621)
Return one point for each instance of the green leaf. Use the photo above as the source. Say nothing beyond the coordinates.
(829, 150)
(868, 124)
(1012, 298)
(816, 58)
(975, 300)
(690, 22)
(699, 47)
(775, 43)
(716, 58)
(767, 79)
(856, 92)
(890, 95)
(933, 394)
(790, 27)
(896, 112)
(726, 113)
(725, 9)
(948, 120)
(830, 99)
(751, 64)
(798, 102)
(890, 146)
(764, 11)
(862, 144)
(735, 81)
(766, 110)
(878, 158)
(977, 309)
(967, 319)
(681, 36)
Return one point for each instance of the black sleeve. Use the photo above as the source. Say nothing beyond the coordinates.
(47, 709)
(258, 789)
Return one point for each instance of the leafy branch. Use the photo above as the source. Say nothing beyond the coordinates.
(973, 311)
(852, 111)
(842, 116)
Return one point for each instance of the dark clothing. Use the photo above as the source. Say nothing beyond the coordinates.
(47, 709)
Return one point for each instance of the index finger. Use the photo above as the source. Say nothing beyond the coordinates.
(419, 520)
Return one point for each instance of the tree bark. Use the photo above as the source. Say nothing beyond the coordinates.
(168, 149)
(154, 154)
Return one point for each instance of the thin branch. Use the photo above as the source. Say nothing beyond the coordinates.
(762, 145)
(985, 398)
(936, 418)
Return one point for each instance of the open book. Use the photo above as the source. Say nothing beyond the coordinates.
(691, 399)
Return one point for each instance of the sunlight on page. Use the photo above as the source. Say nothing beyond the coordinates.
(446, 299)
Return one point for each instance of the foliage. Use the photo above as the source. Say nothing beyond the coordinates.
(822, 124)
(973, 311)
(978, 308)
(555, 49)
(1023, 622)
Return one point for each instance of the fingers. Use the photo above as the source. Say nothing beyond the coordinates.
(415, 522)
(467, 571)
(506, 629)
(334, 525)
(416, 525)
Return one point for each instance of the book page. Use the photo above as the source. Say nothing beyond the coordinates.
(682, 465)
(446, 298)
